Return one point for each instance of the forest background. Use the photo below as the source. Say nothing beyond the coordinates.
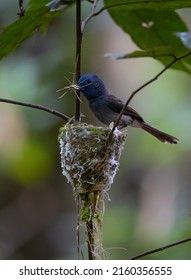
(151, 196)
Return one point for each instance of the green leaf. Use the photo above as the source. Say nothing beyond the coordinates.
(38, 16)
(147, 4)
(154, 33)
(158, 53)
(154, 52)
(14, 34)
(150, 29)
(34, 5)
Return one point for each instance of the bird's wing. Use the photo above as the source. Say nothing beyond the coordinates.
(116, 105)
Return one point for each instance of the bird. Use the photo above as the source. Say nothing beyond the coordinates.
(107, 107)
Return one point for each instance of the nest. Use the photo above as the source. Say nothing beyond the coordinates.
(88, 160)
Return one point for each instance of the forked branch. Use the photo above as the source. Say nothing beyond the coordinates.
(143, 86)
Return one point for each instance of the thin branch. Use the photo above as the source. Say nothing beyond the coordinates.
(107, 7)
(78, 229)
(21, 12)
(90, 242)
(143, 86)
(78, 105)
(35, 106)
(146, 253)
(78, 56)
(79, 34)
(92, 13)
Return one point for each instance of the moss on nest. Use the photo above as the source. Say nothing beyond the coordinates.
(88, 161)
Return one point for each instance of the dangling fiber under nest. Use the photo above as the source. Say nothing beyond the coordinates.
(90, 163)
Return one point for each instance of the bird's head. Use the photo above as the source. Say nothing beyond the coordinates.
(92, 86)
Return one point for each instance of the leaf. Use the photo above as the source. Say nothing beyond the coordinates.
(158, 53)
(154, 52)
(149, 4)
(151, 29)
(154, 33)
(38, 16)
(23, 28)
(35, 5)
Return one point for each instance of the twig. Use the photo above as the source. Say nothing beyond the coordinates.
(146, 253)
(107, 7)
(78, 56)
(90, 235)
(35, 106)
(78, 105)
(143, 86)
(93, 202)
(78, 228)
(21, 12)
(79, 33)
(92, 13)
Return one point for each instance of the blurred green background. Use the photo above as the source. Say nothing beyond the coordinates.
(150, 200)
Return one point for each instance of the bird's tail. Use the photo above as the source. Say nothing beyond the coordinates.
(162, 136)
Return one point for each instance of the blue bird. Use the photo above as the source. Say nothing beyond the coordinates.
(107, 107)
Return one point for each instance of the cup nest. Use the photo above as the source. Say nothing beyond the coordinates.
(88, 160)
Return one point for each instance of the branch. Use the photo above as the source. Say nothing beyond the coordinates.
(90, 241)
(146, 253)
(92, 13)
(113, 6)
(79, 33)
(39, 107)
(109, 7)
(78, 56)
(143, 86)
(78, 105)
(21, 12)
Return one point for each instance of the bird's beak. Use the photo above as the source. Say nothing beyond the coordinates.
(73, 86)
